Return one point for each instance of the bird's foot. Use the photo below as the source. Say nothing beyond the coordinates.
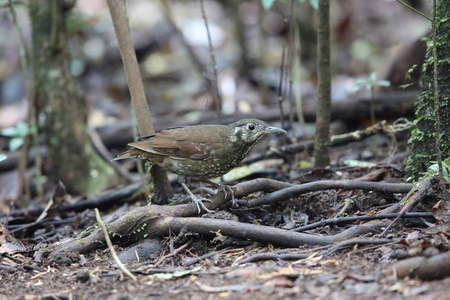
(230, 189)
(200, 205)
(208, 190)
(197, 201)
(224, 188)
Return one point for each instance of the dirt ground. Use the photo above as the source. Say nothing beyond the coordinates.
(343, 275)
(166, 269)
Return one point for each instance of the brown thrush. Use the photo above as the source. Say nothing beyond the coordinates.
(201, 152)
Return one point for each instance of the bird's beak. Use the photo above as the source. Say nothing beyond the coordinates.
(273, 130)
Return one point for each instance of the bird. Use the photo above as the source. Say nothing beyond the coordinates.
(200, 152)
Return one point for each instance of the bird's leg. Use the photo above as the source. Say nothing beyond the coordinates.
(222, 187)
(196, 200)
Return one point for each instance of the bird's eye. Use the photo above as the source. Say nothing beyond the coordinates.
(251, 126)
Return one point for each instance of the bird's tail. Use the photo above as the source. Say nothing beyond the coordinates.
(123, 155)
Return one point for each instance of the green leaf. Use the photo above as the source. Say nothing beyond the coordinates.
(361, 81)
(162, 276)
(267, 4)
(372, 77)
(445, 165)
(444, 170)
(32, 130)
(408, 73)
(175, 274)
(314, 4)
(349, 201)
(10, 131)
(404, 86)
(3, 157)
(182, 273)
(434, 167)
(21, 129)
(384, 83)
(15, 143)
(358, 163)
(41, 179)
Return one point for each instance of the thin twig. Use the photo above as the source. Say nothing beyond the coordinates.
(274, 256)
(111, 248)
(290, 66)
(297, 73)
(206, 256)
(194, 57)
(52, 204)
(31, 109)
(417, 195)
(175, 252)
(139, 164)
(280, 86)
(215, 80)
(356, 241)
(346, 206)
(337, 221)
(262, 64)
(415, 10)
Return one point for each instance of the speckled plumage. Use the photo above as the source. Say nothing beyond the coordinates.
(201, 152)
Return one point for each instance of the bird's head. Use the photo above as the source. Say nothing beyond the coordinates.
(250, 131)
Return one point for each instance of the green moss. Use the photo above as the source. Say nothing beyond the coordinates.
(423, 137)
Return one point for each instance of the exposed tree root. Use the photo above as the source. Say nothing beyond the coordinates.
(435, 267)
(157, 221)
(152, 222)
(296, 190)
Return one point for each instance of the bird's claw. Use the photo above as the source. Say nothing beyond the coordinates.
(208, 190)
(197, 201)
(223, 188)
(200, 205)
(230, 189)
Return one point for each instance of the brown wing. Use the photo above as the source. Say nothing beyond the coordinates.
(193, 142)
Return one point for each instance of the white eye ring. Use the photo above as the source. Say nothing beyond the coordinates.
(251, 126)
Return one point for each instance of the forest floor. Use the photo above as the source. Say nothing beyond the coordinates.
(171, 271)
(357, 273)
(189, 265)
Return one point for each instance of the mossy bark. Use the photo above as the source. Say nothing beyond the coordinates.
(423, 137)
(71, 156)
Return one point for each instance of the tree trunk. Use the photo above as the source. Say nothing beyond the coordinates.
(423, 137)
(322, 140)
(162, 188)
(71, 156)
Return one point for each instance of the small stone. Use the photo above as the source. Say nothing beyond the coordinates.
(83, 276)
